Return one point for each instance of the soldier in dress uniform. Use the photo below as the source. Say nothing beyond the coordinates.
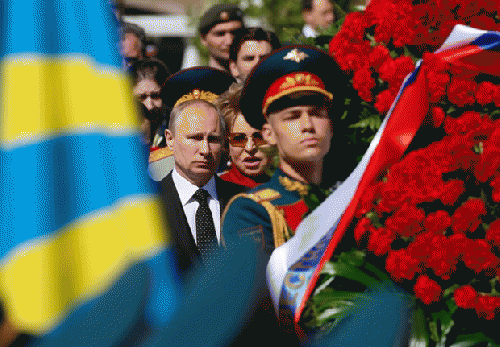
(290, 96)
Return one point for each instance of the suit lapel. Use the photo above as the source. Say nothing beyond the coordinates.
(177, 221)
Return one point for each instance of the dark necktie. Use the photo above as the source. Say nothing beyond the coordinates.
(206, 239)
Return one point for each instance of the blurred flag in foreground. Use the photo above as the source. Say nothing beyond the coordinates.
(82, 239)
(294, 267)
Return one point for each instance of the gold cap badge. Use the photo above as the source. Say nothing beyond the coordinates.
(197, 94)
(296, 55)
(224, 16)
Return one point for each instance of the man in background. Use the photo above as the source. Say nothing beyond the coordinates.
(131, 41)
(217, 27)
(318, 15)
(248, 48)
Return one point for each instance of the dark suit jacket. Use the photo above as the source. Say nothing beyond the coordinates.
(186, 252)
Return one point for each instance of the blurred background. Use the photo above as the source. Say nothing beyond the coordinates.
(170, 25)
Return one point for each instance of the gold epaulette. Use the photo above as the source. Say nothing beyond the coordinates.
(160, 154)
(264, 197)
(293, 186)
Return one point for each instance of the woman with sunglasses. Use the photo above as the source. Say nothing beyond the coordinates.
(248, 162)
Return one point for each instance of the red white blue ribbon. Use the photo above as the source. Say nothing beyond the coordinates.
(294, 267)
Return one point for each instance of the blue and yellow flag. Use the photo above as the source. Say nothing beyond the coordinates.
(79, 222)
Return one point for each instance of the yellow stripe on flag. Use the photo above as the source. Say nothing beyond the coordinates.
(41, 96)
(45, 278)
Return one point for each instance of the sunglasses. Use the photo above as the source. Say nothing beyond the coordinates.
(241, 139)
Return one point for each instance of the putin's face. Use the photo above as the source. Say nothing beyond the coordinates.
(197, 142)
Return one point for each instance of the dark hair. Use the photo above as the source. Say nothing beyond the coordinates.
(307, 5)
(151, 69)
(252, 34)
(131, 28)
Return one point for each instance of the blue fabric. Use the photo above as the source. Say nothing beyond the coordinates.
(58, 27)
(61, 179)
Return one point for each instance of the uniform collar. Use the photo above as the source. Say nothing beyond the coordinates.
(290, 184)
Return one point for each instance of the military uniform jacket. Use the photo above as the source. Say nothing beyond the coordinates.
(267, 214)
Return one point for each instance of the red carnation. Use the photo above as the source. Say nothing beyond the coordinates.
(493, 232)
(384, 101)
(478, 256)
(380, 241)
(427, 289)
(363, 82)
(467, 216)
(400, 264)
(442, 258)
(437, 222)
(486, 92)
(378, 56)
(462, 125)
(438, 116)
(438, 84)
(487, 305)
(495, 184)
(489, 162)
(452, 191)
(462, 92)
(465, 296)
(361, 228)
(407, 221)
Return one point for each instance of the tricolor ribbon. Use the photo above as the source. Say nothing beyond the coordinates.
(294, 267)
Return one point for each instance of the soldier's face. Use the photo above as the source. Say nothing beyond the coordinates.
(219, 39)
(321, 15)
(301, 133)
(248, 56)
(197, 143)
(245, 145)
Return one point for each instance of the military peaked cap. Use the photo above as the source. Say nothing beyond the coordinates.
(202, 83)
(218, 14)
(285, 71)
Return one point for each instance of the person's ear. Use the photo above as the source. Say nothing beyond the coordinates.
(169, 138)
(268, 134)
(203, 40)
(233, 69)
(307, 16)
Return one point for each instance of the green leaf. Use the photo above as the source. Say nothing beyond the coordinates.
(473, 340)
(433, 330)
(449, 291)
(419, 336)
(352, 273)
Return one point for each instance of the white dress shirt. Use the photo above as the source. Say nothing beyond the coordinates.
(186, 190)
(308, 31)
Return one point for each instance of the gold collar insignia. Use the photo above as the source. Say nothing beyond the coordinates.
(293, 186)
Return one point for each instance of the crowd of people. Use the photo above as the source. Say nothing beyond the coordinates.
(246, 137)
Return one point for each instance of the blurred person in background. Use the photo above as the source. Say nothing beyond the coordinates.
(149, 76)
(248, 163)
(318, 15)
(131, 42)
(248, 47)
(217, 27)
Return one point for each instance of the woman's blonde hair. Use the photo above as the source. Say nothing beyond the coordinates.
(228, 104)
